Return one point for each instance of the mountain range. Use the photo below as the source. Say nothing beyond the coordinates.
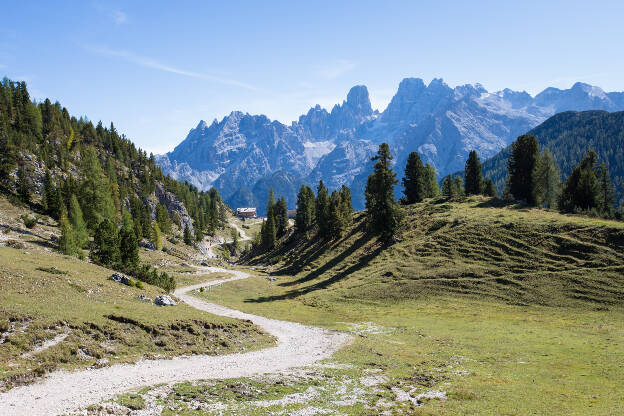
(243, 155)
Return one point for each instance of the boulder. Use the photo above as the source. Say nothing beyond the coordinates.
(147, 244)
(164, 300)
(145, 298)
(120, 278)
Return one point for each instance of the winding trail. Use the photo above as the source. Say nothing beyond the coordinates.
(64, 392)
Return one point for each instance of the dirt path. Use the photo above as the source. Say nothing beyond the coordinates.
(63, 392)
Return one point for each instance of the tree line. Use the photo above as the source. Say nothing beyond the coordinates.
(96, 183)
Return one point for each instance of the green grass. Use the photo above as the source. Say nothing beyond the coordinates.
(508, 310)
(45, 295)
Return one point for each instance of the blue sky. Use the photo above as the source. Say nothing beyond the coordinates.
(156, 68)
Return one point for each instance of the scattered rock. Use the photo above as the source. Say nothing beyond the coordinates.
(164, 300)
(15, 244)
(271, 278)
(145, 298)
(204, 263)
(120, 278)
(147, 244)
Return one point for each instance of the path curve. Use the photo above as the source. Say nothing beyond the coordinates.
(63, 392)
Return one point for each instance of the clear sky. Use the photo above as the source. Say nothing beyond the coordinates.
(156, 68)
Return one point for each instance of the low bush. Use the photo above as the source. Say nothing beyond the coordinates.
(29, 221)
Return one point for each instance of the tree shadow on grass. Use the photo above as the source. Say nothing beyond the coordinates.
(321, 285)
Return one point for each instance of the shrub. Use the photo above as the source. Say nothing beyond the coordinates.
(29, 221)
(4, 325)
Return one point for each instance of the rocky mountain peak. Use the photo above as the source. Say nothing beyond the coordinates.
(358, 100)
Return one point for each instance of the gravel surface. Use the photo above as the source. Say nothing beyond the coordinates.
(64, 392)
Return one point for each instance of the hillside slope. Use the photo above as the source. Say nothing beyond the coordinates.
(513, 254)
(569, 136)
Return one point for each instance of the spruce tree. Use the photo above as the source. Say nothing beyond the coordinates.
(458, 187)
(95, 192)
(414, 182)
(128, 243)
(162, 217)
(580, 191)
(346, 205)
(382, 212)
(472, 174)
(188, 237)
(268, 236)
(336, 223)
(606, 193)
(23, 191)
(106, 244)
(322, 210)
(281, 216)
(547, 181)
(447, 187)
(522, 166)
(78, 223)
(67, 242)
(489, 188)
(304, 220)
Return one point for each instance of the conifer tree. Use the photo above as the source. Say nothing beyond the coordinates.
(162, 218)
(128, 243)
(157, 236)
(522, 166)
(50, 200)
(489, 188)
(548, 181)
(447, 187)
(23, 192)
(78, 224)
(382, 212)
(346, 205)
(606, 193)
(268, 236)
(95, 193)
(67, 242)
(188, 238)
(432, 189)
(458, 187)
(306, 212)
(322, 210)
(270, 203)
(580, 191)
(472, 174)
(414, 182)
(106, 244)
(281, 216)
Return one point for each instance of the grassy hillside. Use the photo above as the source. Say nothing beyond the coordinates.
(60, 312)
(489, 309)
(476, 249)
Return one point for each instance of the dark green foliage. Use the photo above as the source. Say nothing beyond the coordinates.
(606, 192)
(105, 250)
(452, 187)
(414, 182)
(382, 212)
(346, 204)
(268, 234)
(489, 189)
(95, 192)
(522, 168)
(280, 213)
(548, 181)
(322, 211)
(128, 243)
(29, 221)
(306, 210)
(569, 135)
(472, 175)
(162, 218)
(188, 237)
(580, 191)
(23, 192)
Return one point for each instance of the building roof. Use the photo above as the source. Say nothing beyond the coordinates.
(246, 209)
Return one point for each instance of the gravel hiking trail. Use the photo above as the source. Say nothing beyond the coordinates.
(62, 392)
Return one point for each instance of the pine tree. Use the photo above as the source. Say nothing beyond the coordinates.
(67, 242)
(306, 212)
(128, 243)
(458, 187)
(50, 200)
(23, 192)
(447, 187)
(346, 206)
(581, 191)
(268, 236)
(162, 218)
(489, 188)
(281, 216)
(78, 224)
(472, 174)
(547, 181)
(322, 210)
(382, 212)
(414, 183)
(188, 237)
(270, 203)
(522, 166)
(106, 244)
(336, 223)
(606, 193)
(432, 189)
